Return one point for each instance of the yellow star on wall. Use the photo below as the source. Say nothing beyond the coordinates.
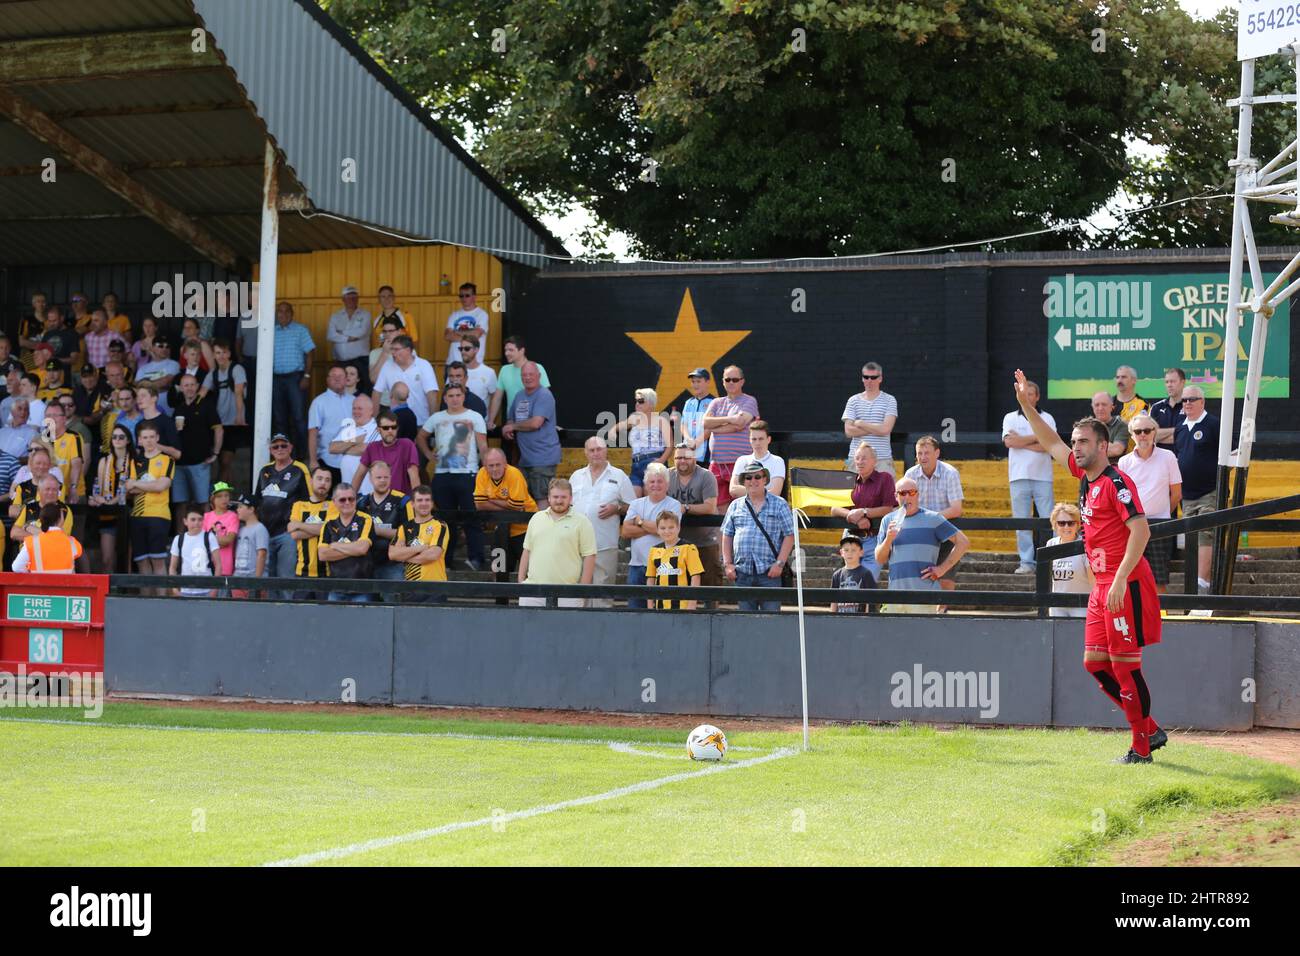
(684, 349)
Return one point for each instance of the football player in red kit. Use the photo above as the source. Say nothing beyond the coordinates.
(1124, 608)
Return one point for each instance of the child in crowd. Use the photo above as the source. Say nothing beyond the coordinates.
(195, 553)
(252, 544)
(224, 523)
(673, 563)
(852, 575)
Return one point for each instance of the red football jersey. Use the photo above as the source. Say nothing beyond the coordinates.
(1106, 504)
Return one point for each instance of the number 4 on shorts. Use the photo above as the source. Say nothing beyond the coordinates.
(1121, 625)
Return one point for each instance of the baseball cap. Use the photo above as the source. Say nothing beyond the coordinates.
(349, 290)
(242, 500)
(701, 373)
(848, 537)
(53, 366)
(279, 436)
(218, 487)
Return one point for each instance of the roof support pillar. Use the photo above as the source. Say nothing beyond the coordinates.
(266, 299)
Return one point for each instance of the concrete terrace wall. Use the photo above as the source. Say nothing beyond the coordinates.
(873, 668)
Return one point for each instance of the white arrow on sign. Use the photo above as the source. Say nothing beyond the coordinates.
(1062, 337)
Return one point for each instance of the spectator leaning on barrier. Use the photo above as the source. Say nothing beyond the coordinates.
(697, 490)
(760, 442)
(281, 484)
(1197, 441)
(869, 417)
(939, 490)
(343, 548)
(639, 525)
(673, 563)
(726, 422)
(305, 522)
(399, 453)
(353, 437)
(502, 487)
(909, 542)
(559, 547)
(852, 576)
(1160, 488)
(757, 538)
(603, 493)
(693, 415)
(873, 497)
(149, 487)
(348, 332)
(420, 546)
(50, 549)
(387, 511)
(530, 421)
(1168, 412)
(1029, 473)
(1070, 575)
(1103, 409)
(325, 420)
(195, 553)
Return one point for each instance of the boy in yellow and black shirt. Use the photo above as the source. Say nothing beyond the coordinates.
(421, 541)
(673, 563)
(306, 519)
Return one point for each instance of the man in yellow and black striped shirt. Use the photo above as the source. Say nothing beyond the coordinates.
(306, 519)
(421, 541)
(673, 563)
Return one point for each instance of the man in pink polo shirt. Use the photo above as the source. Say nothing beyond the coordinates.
(726, 426)
(1160, 488)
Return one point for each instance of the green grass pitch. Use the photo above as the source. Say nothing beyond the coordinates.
(147, 786)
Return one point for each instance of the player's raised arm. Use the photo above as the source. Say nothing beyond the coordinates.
(1046, 436)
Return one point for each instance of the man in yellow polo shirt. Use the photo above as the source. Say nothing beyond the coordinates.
(559, 546)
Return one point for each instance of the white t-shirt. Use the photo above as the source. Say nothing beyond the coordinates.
(1153, 477)
(649, 511)
(1024, 463)
(613, 485)
(348, 464)
(462, 321)
(774, 464)
(454, 441)
(419, 378)
(1069, 576)
(482, 381)
(195, 551)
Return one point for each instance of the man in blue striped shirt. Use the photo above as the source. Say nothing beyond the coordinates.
(693, 413)
(757, 538)
(292, 376)
(909, 542)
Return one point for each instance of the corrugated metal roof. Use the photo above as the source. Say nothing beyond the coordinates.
(281, 49)
(290, 71)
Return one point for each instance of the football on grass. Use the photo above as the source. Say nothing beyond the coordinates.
(706, 742)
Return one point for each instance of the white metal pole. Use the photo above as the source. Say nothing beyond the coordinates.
(803, 654)
(266, 295)
(1232, 315)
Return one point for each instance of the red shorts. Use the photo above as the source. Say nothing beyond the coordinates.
(1136, 626)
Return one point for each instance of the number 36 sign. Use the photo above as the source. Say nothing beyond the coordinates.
(1266, 26)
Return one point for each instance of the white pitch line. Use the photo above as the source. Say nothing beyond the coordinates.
(338, 853)
(443, 735)
(629, 749)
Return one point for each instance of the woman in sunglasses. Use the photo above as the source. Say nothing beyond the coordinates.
(1069, 575)
(649, 434)
(108, 499)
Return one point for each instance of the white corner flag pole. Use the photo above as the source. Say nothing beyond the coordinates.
(803, 654)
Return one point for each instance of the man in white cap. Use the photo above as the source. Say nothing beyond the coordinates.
(349, 336)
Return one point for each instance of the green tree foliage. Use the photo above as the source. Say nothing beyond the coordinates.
(750, 128)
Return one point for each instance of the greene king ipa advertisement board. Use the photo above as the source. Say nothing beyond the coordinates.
(1096, 323)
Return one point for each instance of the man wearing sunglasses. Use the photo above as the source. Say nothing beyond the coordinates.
(1196, 442)
(725, 426)
(910, 540)
(1160, 486)
(468, 319)
(869, 417)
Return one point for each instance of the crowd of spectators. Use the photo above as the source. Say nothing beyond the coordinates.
(128, 438)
